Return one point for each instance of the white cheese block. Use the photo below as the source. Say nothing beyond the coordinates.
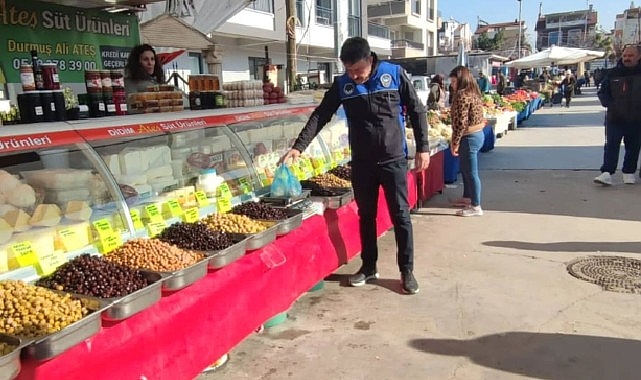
(6, 208)
(113, 163)
(42, 240)
(160, 171)
(59, 179)
(143, 190)
(76, 236)
(158, 155)
(46, 215)
(22, 195)
(61, 197)
(18, 219)
(132, 179)
(78, 211)
(132, 161)
(5, 231)
(7, 182)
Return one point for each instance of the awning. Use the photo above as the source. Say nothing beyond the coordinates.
(555, 56)
(166, 54)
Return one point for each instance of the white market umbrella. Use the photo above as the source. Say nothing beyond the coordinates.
(461, 59)
(555, 55)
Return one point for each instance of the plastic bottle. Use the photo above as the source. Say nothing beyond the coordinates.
(208, 182)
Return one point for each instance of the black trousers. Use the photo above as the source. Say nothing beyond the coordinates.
(366, 180)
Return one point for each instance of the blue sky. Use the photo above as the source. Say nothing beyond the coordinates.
(508, 10)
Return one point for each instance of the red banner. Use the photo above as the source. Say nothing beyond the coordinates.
(41, 140)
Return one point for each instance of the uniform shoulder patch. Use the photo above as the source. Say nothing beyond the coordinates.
(386, 80)
(348, 88)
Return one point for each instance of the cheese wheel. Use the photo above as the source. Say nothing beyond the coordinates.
(46, 215)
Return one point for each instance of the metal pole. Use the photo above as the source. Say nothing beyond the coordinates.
(290, 27)
(585, 31)
(520, 29)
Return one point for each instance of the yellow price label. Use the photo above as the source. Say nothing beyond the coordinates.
(201, 199)
(135, 217)
(264, 180)
(223, 191)
(223, 205)
(154, 229)
(298, 172)
(245, 185)
(153, 214)
(70, 239)
(47, 264)
(24, 253)
(191, 215)
(103, 227)
(173, 208)
(111, 242)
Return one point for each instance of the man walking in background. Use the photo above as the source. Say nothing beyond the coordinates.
(620, 94)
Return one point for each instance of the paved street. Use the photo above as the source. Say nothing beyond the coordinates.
(496, 299)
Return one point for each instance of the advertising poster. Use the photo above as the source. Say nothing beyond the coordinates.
(76, 39)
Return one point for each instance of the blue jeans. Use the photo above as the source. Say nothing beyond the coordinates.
(631, 136)
(392, 176)
(469, 155)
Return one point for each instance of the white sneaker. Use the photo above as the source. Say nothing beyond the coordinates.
(629, 178)
(470, 211)
(604, 179)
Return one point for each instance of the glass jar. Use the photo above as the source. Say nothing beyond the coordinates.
(27, 78)
(50, 76)
(93, 81)
(208, 182)
(117, 80)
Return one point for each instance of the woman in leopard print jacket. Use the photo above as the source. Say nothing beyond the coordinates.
(467, 137)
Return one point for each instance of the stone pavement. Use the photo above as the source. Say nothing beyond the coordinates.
(496, 300)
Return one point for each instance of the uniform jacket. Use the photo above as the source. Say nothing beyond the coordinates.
(374, 113)
(619, 92)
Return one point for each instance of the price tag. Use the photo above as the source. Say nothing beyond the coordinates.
(153, 214)
(24, 253)
(298, 172)
(223, 191)
(155, 228)
(135, 217)
(173, 208)
(201, 199)
(103, 227)
(191, 215)
(110, 243)
(223, 205)
(48, 263)
(245, 185)
(70, 239)
(264, 180)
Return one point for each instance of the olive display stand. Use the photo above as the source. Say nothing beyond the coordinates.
(172, 339)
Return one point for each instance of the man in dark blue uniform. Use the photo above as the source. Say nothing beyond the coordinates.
(374, 95)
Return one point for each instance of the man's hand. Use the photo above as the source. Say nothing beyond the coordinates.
(422, 161)
(292, 154)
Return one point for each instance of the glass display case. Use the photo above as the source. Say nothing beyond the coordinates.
(66, 189)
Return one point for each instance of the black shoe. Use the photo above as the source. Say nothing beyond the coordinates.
(408, 282)
(362, 276)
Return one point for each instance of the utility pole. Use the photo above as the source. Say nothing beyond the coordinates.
(585, 31)
(290, 28)
(520, 28)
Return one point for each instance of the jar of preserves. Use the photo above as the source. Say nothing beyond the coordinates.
(93, 81)
(117, 80)
(50, 76)
(105, 79)
(27, 78)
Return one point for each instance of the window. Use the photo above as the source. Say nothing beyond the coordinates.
(324, 12)
(301, 13)
(555, 38)
(575, 37)
(416, 7)
(262, 5)
(256, 67)
(354, 8)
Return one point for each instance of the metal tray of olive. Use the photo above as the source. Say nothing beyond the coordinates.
(124, 307)
(223, 257)
(341, 198)
(182, 278)
(52, 345)
(260, 239)
(10, 363)
(293, 221)
(285, 201)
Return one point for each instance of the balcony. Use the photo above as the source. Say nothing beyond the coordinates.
(354, 26)
(324, 16)
(389, 9)
(378, 30)
(405, 13)
(407, 48)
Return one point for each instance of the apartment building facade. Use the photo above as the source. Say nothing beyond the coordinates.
(627, 28)
(451, 34)
(574, 29)
(413, 25)
(508, 46)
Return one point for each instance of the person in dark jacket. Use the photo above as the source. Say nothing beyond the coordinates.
(619, 93)
(373, 95)
(569, 86)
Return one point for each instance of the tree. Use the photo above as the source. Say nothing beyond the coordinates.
(486, 43)
(604, 43)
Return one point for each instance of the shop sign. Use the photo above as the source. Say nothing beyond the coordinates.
(37, 141)
(76, 39)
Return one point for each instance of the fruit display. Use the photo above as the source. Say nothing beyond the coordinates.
(342, 172)
(260, 211)
(320, 191)
(10, 117)
(195, 236)
(234, 223)
(154, 255)
(94, 276)
(6, 349)
(31, 311)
